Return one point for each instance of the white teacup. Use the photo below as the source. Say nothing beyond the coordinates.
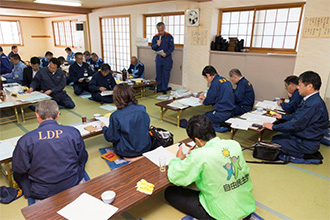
(108, 196)
(97, 115)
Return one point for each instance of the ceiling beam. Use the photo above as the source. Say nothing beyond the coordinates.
(44, 7)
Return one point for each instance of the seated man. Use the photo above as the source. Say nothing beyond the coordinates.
(102, 81)
(79, 73)
(5, 65)
(304, 129)
(136, 69)
(51, 158)
(29, 72)
(16, 75)
(88, 58)
(70, 56)
(96, 62)
(46, 59)
(14, 50)
(220, 172)
(244, 93)
(291, 85)
(220, 96)
(51, 81)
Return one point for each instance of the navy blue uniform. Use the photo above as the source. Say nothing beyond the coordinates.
(70, 58)
(96, 65)
(44, 62)
(45, 80)
(49, 160)
(16, 75)
(137, 71)
(129, 131)
(89, 61)
(163, 64)
(5, 64)
(292, 105)
(244, 97)
(77, 72)
(304, 129)
(220, 95)
(98, 81)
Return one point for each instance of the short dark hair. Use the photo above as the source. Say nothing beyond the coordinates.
(160, 24)
(199, 126)
(105, 67)
(210, 70)
(68, 49)
(123, 94)
(1, 50)
(61, 59)
(310, 77)
(78, 54)
(13, 47)
(55, 61)
(291, 79)
(87, 53)
(15, 56)
(48, 53)
(94, 54)
(35, 60)
(235, 72)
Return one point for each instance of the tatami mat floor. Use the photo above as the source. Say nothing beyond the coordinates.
(292, 191)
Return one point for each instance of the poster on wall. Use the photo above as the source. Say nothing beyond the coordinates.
(316, 27)
(199, 37)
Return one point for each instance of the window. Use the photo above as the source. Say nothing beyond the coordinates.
(272, 28)
(64, 33)
(116, 43)
(174, 23)
(10, 33)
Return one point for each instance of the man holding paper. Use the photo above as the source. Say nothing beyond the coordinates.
(51, 158)
(220, 172)
(163, 44)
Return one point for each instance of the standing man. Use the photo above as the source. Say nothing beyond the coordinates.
(163, 44)
(46, 59)
(51, 80)
(14, 50)
(16, 75)
(96, 63)
(80, 74)
(51, 158)
(70, 56)
(29, 72)
(244, 93)
(136, 69)
(5, 65)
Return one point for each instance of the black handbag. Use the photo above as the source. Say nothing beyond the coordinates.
(160, 137)
(267, 151)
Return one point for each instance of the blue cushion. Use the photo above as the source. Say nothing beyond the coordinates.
(293, 159)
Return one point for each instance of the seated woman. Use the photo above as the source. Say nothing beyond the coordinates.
(129, 126)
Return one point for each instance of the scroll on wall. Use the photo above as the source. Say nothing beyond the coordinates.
(316, 27)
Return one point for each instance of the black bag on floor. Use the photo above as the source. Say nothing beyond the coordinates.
(267, 151)
(160, 137)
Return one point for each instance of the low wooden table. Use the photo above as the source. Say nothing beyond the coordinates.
(164, 108)
(142, 87)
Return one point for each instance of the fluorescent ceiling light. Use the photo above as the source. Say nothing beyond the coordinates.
(52, 2)
(45, 12)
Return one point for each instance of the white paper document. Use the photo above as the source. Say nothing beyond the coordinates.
(240, 124)
(105, 120)
(83, 131)
(191, 101)
(6, 150)
(272, 105)
(108, 107)
(154, 155)
(177, 104)
(107, 93)
(87, 207)
(160, 52)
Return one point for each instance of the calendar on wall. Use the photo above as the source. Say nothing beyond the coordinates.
(316, 27)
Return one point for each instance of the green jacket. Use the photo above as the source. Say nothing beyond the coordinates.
(222, 175)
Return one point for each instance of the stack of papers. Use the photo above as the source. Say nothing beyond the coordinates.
(154, 155)
(105, 120)
(163, 97)
(87, 207)
(191, 101)
(107, 93)
(6, 104)
(272, 105)
(6, 150)
(246, 121)
(82, 127)
(33, 97)
(177, 104)
(239, 123)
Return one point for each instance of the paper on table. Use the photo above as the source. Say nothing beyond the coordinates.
(87, 207)
(6, 104)
(154, 155)
(6, 150)
(160, 52)
(105, 120)
(178, 105)
(107, 93)
(191, 101)
(269, 105)
(108, 107)
(191, 144)
(241, 124)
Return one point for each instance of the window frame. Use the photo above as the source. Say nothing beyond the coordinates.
(59, 21)
(115, 49)
(266, 7)
(19, 29)
(162, 16)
